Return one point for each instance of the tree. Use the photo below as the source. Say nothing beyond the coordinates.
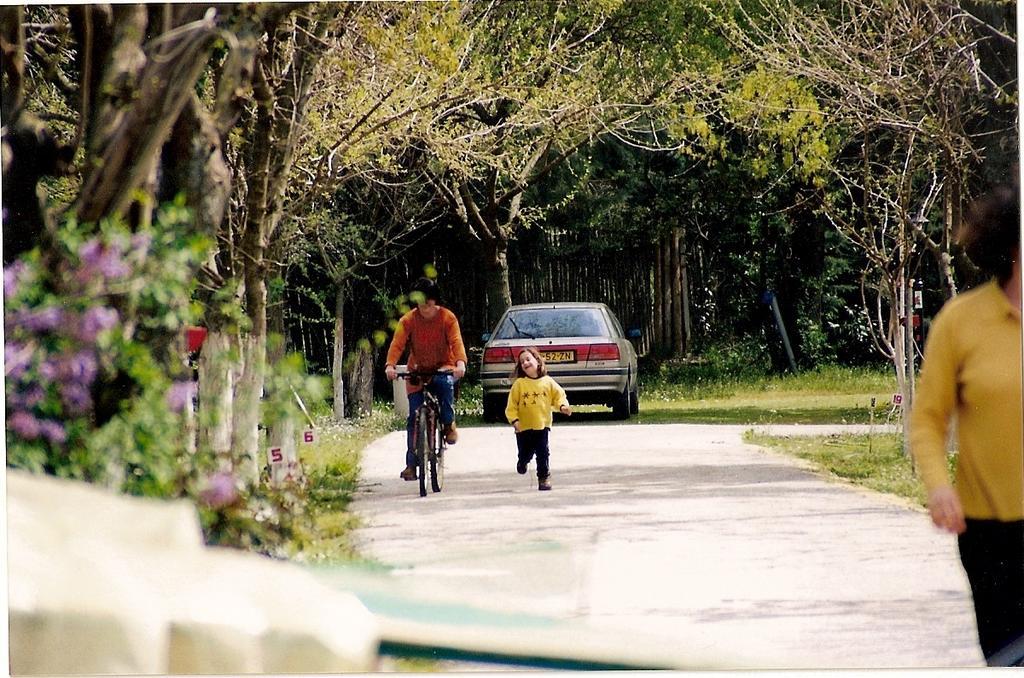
(358, 185)
(552, 78)
(99, 106)
(107, 82)
(901, 88)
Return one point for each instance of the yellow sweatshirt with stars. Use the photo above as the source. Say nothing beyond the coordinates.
(532, 401)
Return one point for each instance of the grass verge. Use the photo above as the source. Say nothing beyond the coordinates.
(876, 462)
(331, 464)
(828, 395)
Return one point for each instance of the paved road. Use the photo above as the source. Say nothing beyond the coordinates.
(684, 532)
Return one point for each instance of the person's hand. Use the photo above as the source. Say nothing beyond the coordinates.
(390, 372)
(460, 370)
(515, 425)
(947, 513)
(565, 409)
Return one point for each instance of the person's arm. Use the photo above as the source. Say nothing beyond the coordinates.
(458, 348)
(395, 350)
(512, 407)
(559, 400)
(934, 404)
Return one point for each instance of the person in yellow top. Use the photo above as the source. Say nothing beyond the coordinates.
(534, 396)
(972, 369)
(431, 333)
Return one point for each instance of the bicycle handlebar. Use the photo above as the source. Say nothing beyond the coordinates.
(422, 374)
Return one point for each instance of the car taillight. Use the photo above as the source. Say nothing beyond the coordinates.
(498, 355)
(604, 352)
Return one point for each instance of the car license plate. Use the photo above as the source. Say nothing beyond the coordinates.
(559, 356)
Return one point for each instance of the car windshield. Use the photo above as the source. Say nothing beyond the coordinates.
(541, 323)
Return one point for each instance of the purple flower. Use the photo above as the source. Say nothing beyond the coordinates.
(24, 424)
(27, 399)
(80, 367)
(13, 276)
(220, 490)
(180, 394)
(94, 321)
(42, 320)
(17, 359)
(34, 395)
(141, 241)
(103, 259)
(50, 369)
(139, 246)
(76, 397)
(53, 431)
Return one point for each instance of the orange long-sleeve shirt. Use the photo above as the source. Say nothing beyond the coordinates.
(433, 344)
(972, 370)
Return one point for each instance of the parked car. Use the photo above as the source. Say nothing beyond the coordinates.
(585, 349)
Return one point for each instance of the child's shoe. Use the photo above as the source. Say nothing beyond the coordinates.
(409, 473)
(543, 483)
(521, 467)
(451, 434)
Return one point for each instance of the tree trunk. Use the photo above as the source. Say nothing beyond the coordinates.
(897, 345)
(338, 367)
(216, 393)
(245, 440)
(684, 282)
(276, 327)
(657, 298)
(951, 222)
(666, 295)
(499, 293)
(128, 140)
(193, 160)
(360, 384)
(249, 387)
(677, 297)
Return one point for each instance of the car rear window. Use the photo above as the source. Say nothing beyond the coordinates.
(541, 323)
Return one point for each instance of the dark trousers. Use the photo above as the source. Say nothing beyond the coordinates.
(442, 386)
(531, 443)
(992, 552)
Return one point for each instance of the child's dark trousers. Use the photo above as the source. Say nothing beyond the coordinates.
(533, 442)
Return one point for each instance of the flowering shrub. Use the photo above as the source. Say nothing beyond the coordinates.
(94, 389)
(96, 384)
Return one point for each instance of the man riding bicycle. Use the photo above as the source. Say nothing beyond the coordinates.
(431, 333)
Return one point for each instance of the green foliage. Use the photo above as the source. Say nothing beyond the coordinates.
(786, 126)
(142, 446)
(259, 519)
(286, 383)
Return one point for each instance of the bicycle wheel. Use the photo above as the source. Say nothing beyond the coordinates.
(424, 435)
(437, 461)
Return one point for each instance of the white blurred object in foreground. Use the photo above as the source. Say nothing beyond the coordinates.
(104, 583)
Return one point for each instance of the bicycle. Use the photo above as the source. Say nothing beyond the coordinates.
(428, 435)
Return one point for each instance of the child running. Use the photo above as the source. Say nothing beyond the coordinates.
(534, 396)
